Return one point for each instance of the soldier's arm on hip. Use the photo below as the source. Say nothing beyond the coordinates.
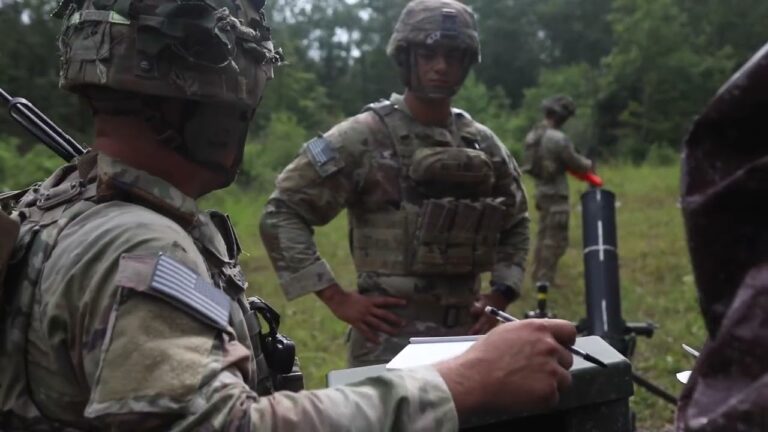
(311, 191)
(290, 245)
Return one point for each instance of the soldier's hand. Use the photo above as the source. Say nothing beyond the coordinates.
(366, 314)
(484, 322)
(517, 366)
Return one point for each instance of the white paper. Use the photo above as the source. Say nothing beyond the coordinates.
(421, 353)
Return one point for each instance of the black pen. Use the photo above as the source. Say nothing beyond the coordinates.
(505, 317)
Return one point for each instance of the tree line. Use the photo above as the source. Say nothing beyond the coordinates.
(639, 70)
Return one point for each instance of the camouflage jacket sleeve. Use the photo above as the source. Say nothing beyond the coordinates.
(129, 359)
(567, 155)
(311, 191)
(512, 250)
(186, 378)
(414, 400)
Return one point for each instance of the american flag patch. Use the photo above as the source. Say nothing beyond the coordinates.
(321, 151)
(183, 286)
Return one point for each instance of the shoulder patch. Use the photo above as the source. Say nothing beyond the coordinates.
(324, 157)
(176, 283)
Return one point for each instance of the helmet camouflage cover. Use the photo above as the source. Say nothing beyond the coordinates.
(433, 22)
(203, 50)
(560, 104)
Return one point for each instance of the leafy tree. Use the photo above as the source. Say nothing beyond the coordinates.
(29, 66)
(271, 150)
(19, 170)
(490, 107)
(575, 31)
(738, 25)
(299, 92)
(511, 45)
(656, 78)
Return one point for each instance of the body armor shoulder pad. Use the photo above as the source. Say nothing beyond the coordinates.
(551, 134)
(382, 107)
(459, 113)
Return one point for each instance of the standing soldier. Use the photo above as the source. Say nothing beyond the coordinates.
(433, 198)
(548, 155)
(123, 307)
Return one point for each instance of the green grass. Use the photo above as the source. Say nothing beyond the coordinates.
(656, 280)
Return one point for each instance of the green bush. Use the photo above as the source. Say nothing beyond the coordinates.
(662, 155)
(21, 170)
(270, 151)
(490, 107)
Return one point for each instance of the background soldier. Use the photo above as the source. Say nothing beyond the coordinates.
(433, 198)
(124, 307)
(548, 155)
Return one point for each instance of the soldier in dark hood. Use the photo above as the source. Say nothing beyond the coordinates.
(724, 184)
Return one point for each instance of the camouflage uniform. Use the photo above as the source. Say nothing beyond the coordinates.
(123, 306)
(549, 155)
(92, 340)
(429, 209)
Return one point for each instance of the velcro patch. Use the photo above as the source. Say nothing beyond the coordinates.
(167, 278)
(323, 156)
(181, 285)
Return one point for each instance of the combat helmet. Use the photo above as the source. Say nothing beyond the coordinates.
(432, 23)
(560, 105)
(124, 56)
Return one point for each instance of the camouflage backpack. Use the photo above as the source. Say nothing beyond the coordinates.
(531, 152)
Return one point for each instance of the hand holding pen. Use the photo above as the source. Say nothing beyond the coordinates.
(505, 317)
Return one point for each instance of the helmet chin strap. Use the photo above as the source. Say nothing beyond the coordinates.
(212, 133)
(207, 133)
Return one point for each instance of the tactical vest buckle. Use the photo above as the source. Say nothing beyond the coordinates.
(59, 195)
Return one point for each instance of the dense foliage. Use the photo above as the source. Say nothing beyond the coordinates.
(638, 69)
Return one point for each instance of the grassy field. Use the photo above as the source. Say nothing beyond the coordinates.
(656, 281)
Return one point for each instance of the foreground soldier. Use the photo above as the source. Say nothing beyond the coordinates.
(124, 307)
(433, 198)
(725, 167)
(549, 155)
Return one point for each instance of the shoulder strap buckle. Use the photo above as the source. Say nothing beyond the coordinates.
(60, 194)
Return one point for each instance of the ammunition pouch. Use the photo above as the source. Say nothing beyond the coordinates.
(457, 236)
(445, 222)
(451, 171)
(278, 351)
(443, 236)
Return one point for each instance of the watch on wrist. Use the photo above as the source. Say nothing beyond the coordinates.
(506, 291)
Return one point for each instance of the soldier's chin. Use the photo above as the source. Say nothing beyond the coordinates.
(435, 92)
